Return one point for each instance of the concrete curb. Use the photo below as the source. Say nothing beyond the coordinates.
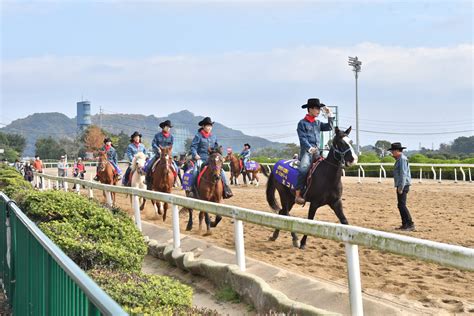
(252, 289)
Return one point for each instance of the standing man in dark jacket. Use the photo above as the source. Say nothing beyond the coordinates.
(309, 130)
(402, 179)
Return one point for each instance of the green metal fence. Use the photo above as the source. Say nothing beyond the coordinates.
(38, 278)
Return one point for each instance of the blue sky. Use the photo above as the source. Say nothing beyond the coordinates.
(246, 63)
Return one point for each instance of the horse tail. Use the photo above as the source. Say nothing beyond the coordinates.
(270, 192)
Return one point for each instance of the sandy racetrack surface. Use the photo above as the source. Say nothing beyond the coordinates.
(441, 212)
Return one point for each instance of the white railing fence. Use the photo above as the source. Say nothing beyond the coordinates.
(444, 254)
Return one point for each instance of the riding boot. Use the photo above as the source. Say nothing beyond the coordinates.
(96, 178)
(227, 192)
(298, 198)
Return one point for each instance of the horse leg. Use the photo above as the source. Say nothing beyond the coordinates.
(217, 221)
(312, 211)
(255, 175)
(207, 220)
(165, 209)
(190, 220)
(337, 208)
(236, 179)
(157, 210)
(142, 207)
(201, 216)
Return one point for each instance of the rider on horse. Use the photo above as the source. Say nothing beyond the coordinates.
(162, 139)
(202, 142)
(111, 157)
(133, 148)
(245, 156)
(309, 130)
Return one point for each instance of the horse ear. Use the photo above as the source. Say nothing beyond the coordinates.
(337, 130)
(348, 130)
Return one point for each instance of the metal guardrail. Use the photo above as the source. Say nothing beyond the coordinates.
(39, 278)
(444, 254)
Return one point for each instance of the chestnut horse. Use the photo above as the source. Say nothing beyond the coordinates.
(106, 172)
(235, 169)
(163, 179)
(210, 188)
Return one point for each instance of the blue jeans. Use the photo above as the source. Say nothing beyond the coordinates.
(196, 169)
(305, 164)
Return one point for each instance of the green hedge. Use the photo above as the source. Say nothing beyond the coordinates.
(11, 181)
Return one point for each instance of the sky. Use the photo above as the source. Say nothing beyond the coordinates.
(247, 64)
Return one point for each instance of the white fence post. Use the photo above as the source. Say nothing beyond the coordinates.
(176, 232)
(239, 244)
(65, 186)
(355, 287)
(455, 175)
(91, 193)
(439, 181)
(78, 189)
(49, 184)
(380, 175)
(108, 196)
(434, 173)
(343, 172)
(421, 175)
(136, 208)
(358, 175)
(470, 179)
(463, 174)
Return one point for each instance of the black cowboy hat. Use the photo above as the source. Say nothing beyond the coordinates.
(135, 134)
(107, 139)
(248, 145)
(396, 146)
(312, 103)
(166, 123)
(206, 121)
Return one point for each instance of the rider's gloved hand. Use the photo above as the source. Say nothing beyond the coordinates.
(197, 157)
(312, 150)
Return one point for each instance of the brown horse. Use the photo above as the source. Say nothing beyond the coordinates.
(234, 168)
(254, 174)
(106, 172)
(163, 179)
(210, 188)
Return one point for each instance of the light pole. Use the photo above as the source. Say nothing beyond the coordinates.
(355, 63)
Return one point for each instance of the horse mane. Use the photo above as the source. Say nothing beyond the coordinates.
(139, 156)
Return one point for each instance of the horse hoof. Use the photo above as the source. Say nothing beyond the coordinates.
(208, 233)
(296, 244)
(272, 238)
(189, 228)
(302, 247)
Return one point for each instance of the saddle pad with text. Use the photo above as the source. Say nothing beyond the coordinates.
(252, 165)
(188, 180)
(285, 173)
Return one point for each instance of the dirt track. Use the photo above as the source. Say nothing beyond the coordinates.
(441, 212)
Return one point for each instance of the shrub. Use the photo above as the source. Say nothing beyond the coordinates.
(140, 293)
(11, 181)
(89, 234)
(388, 159)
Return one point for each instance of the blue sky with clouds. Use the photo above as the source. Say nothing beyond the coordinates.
(246, 63)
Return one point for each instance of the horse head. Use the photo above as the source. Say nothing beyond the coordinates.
(216, 162)
(102, 161)
(342, 146)
(138, 163)
(165, 153)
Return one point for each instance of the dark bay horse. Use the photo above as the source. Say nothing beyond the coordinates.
(106, 172)
(210, 188)
(326, 185)
(163, 179)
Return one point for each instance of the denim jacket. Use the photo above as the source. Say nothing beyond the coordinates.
(132, 150)
(161, 140)
(111, 154)
(200, 146)
(401, 172)
(309, 133)
(245, 154)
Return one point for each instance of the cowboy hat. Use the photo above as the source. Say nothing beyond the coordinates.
(396, 146)
(312, 103)
(135, 134)
(166, 123)
(248, 145)
(107, 139)
(206, 121)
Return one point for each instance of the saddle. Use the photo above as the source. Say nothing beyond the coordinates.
(314, 165)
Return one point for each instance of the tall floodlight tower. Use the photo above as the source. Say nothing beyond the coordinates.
(83, 115)
(356, 63)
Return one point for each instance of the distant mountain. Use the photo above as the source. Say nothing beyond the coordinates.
(185, 125)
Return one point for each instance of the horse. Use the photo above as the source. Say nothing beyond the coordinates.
(325, 187)
(253, 173)
(235, 169)
(106, 172)
(137, 175)
(209, 188)
(163, 179)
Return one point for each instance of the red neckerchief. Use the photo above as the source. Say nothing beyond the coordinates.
(166, 134)
(205, 134)
(310, 118)
(136, 144)
(107, 147)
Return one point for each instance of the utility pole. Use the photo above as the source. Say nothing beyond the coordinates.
(356, 63)
(100, 117)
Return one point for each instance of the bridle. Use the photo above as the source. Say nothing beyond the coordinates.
(341, 153)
